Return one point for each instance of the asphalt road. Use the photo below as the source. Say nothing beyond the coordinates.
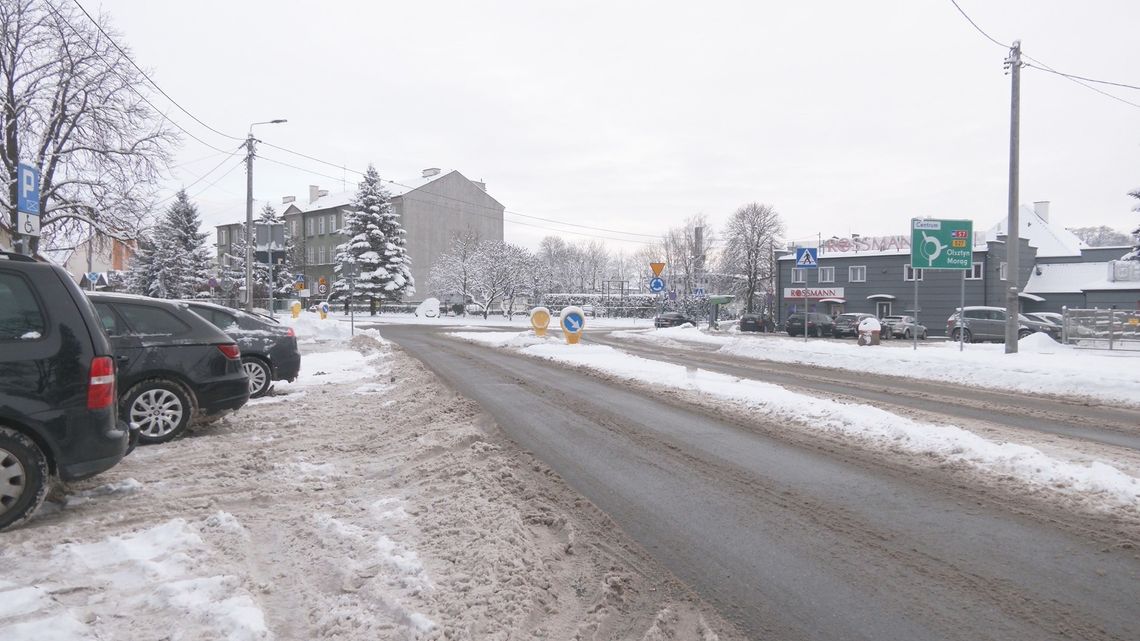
(792, 540)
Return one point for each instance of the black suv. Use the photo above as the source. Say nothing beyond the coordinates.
(174, 366)
(57, 387)
(817, 324)
(268, 350)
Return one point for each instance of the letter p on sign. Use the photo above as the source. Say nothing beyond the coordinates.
(28, 178)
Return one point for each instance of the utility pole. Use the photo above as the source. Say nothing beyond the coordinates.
(1013, 225)
(249, 240)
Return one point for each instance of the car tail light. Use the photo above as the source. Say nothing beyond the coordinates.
(230, 350)
(101, 387)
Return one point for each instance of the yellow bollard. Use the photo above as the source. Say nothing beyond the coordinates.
(296, 308)
(573, 321)
(540, 320)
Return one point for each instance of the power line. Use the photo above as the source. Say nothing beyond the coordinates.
(201, 178)
(1080, 80)
(217, 180)
(980, 30)
(144, 74)
(127, 81)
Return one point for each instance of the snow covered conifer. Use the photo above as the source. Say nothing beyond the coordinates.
(177, 263)
(376, 246)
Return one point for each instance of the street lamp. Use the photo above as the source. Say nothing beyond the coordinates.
(249, 210)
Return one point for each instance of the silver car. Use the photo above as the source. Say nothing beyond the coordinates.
(903, 327)
(988, 324)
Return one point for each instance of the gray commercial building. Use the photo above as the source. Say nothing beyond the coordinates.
(433, 208)
(873, 275)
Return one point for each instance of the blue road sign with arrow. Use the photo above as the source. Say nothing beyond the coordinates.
(573, 322)
(656, 285)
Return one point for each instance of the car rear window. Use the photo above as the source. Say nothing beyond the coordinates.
(151, 321)
(21, 318)
(219, 319)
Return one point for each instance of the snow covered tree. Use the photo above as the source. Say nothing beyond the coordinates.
(1101, 236)
(231, 271)
(501, 270)
(376, 246)
(177, 262)
(1135, 253)
(750, 237)
(451, 275)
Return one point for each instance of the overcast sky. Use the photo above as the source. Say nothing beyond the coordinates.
(632, 116)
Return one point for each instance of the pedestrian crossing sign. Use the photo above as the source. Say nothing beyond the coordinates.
(806, 258)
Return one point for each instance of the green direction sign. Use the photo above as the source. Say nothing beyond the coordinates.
(941, 244)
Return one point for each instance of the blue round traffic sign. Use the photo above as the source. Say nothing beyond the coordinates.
(656, 285)
(573, 322)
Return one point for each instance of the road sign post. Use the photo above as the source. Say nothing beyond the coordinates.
(27, 204)
(807, 258)
(942, 245)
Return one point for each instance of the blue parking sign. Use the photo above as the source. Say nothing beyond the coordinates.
(28, 189)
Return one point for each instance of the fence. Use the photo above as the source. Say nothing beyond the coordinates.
(1114, 329)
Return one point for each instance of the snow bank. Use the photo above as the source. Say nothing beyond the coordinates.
(511, 339)
(1041, 366)
(342, 366)
(157, 575)
(862, 421)
(311, 329)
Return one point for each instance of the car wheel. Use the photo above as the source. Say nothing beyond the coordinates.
(259, 376)
(922, 336)
(161, 409)
(907, 334)
(23, 477)
(1023, 333)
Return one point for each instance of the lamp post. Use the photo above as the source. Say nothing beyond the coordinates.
(249, 210)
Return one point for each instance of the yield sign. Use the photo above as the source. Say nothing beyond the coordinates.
(656, 267)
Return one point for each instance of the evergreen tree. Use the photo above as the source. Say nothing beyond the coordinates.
(376, 246)
(175, 263)
(1135, 253)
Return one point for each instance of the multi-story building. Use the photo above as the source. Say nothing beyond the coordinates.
(433, 209)
(873, 275)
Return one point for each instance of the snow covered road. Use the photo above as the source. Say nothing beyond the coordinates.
(800, 533)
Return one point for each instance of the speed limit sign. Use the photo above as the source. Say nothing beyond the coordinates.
(322, 289)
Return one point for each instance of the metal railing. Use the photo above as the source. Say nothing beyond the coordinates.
(1111, 329)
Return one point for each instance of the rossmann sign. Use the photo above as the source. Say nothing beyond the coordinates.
(866, 244)
(813, 292)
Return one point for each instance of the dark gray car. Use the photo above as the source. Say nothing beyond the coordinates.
(988, 324)
(268, 350)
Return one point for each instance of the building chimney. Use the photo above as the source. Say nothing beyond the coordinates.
(1041, 208)
(480, 184)
(322, 193)
(285, 200)
(431, 171)
(314, 193)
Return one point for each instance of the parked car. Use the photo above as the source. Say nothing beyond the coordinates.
(672, 319)
(57, 387)
(817, 324)
(268, 351)
(902, 327)
(848, 324)
(1048, 317)
(981, 323)
(756, 323)
(174, 366)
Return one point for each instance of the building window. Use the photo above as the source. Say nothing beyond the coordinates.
(911, 274)
(221, 236)
(826, 274)
(799, 275)
(1003, 270)
(857, 274)
(321, 222)
(320, 255)
(975, 273)
(309, 227)
(309, 256)
(332, 223)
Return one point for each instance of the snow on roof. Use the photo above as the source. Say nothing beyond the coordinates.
(1057, 278)
(395, 188)
(1049, 240)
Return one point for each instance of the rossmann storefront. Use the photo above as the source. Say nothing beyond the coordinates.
(873, 275)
